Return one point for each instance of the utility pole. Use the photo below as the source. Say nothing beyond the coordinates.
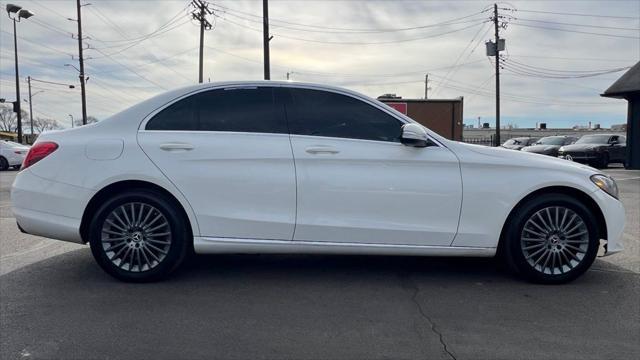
(81, 60)
(497, 54)
(266, 38)
(30, 107)
(18, 108)
(426, 86)
(199, 14)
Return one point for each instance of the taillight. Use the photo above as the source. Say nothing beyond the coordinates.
(38, 152)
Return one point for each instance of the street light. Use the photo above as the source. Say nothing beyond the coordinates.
(16, 13)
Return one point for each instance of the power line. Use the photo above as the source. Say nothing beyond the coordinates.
(357, 42)
(577, 31)
(464, 51)
(576, 14)
(131, 70)
(580, 25)
(330, 30)
(565, 71)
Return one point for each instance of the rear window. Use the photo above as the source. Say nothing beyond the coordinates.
(234, 110)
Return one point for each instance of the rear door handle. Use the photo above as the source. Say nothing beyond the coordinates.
(175, 146)
(321, 150)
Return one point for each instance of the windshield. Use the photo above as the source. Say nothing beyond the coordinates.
(593, 139)
(551, 140)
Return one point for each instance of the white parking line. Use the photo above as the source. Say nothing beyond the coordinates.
(631, 178)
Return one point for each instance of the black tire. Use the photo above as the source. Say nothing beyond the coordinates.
(179, 238)
(4, 164)
(603, 163)
(514, 246)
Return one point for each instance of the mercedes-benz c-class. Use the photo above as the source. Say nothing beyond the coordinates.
(280, 167)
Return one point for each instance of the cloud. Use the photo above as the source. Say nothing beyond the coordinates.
(135, 68)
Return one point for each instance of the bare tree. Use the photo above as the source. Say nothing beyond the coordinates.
(42, 124)
(90, 120)
(9, 119)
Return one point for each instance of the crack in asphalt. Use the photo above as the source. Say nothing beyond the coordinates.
(416, 290)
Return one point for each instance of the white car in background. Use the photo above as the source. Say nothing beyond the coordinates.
(280, 167)
(12, 154)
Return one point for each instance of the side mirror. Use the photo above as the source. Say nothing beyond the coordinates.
(414, 135)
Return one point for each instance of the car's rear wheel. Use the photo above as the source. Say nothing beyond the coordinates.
(139, 236)
(551, 239)
(603, 163)
(4, 164)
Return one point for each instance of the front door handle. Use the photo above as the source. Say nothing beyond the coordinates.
(174, 146)
(321, 150)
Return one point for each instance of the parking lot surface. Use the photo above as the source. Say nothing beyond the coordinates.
(55, 303)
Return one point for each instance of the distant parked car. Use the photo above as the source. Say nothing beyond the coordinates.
(550, 145)
(518, 143)
(11, 154)
(596, 150)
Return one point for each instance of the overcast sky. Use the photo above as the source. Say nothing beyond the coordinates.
(141, 48)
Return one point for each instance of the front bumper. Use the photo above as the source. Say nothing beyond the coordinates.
(614, 216)
(48, 208)
(579, 157)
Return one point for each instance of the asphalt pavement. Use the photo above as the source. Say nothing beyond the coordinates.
(55, 303)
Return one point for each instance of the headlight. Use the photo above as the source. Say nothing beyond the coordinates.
(606, 183)
(561, 149)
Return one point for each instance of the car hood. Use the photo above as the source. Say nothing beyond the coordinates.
(507, 157)
(540, 148)
(583, 147)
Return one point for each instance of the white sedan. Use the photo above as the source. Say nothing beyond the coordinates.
(11, 154)
(280, 167)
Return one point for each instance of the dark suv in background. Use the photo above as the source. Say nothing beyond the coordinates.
(550, 145)
(596, 150)
(518, 143)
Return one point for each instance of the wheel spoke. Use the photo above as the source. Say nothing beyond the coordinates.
(534, 233)
(163, 224)
(573, 217)
(115, 215)
(111, 232)
(126, 217)
(133, 214)
(533, 246)
(547, 227)
(532, 222)
(115, 246)
(123, 230)
(157, 249)
(566, 259)
(534, 253)
(551, 223)
(122, 238)
(564, 217)
(159, 241)
(578, 234)
(140, 214)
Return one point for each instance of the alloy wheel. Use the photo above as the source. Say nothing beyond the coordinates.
(554, 240)
(136, 237)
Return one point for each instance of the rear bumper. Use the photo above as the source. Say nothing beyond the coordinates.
(47, 208)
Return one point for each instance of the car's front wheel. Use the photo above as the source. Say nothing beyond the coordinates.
(139, 236)
(551, 239)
